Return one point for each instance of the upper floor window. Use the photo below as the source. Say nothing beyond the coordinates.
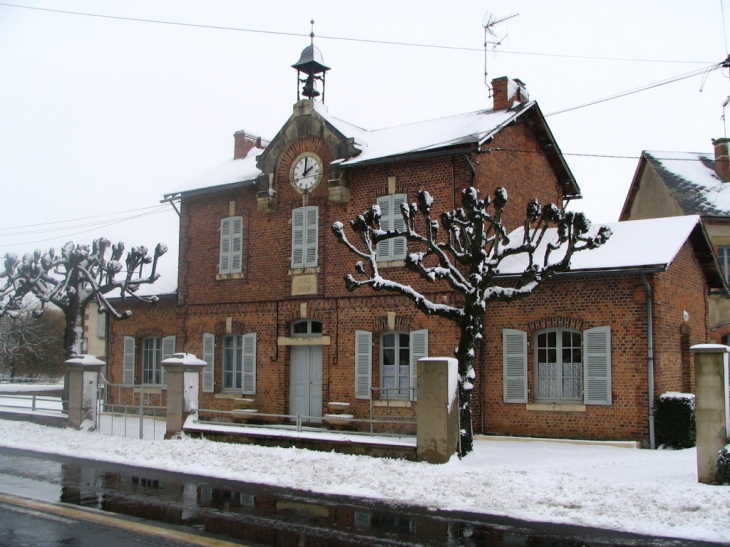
(231, 250)
(305, 237)
(723, 257)
(392, 219)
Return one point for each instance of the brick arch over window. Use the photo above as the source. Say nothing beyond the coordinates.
(402, 323)
(555, 322)
(399, 189)
(237, 327)
(295, 315)
(149, 333)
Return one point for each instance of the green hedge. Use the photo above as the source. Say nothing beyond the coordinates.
(675, 420)
(723, 465)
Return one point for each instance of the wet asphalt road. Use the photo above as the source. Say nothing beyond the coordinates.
(241, 513)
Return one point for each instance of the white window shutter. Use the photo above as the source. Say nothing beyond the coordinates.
(224, 265)
(168, 348)
(391, 219)
(236, 244)
(514, 365)
(363, 363)
(128, 362)
(311, 237)
(384, 249)
(399, 243)
(419, 350)
(297, 237)
(101, 325)
(249, 364)
(209, 358)
(597, 366)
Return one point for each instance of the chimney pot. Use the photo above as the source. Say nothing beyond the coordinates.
(243, 143)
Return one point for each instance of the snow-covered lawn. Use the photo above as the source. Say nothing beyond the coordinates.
(642, 491)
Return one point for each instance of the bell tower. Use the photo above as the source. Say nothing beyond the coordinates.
(311, 71)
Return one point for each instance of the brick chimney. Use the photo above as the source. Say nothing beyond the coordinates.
(506, 93)
(243, 143)
(722, 165)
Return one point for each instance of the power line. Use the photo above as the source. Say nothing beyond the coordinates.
(642, 88)
(343, 38)
(83, 218)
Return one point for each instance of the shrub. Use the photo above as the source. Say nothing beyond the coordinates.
(723, 465)
(675, 420)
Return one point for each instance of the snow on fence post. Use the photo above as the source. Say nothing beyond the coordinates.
(183, 384)
(83, 380)
(711, 410)
(438, 409)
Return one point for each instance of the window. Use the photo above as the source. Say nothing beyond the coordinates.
(231, 255)
(399, 355)
(239, 363)
(307, 327)
(559, 366)
(723, 257)
(570, 366)
(305, 237)
(154, 351)
(209, 358)
(392, 219)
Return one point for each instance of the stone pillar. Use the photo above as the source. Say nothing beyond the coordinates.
(438, 409)
(711, 392)
(83, 381)
(183, 381)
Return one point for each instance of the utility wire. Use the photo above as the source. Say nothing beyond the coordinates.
(83, 218)
(643, 88)
(340, 38)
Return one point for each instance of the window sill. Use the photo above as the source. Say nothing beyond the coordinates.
(221, 277)
(392, 403)
(303, 271)
(555, 407)
(228, 395)
(152, 389)
(392, 264)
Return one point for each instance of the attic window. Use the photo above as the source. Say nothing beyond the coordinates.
(307, 327)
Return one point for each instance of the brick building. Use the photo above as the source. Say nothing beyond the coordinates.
(261, 295)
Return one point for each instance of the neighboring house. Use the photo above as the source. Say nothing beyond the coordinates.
(687, 183)
(262, 299)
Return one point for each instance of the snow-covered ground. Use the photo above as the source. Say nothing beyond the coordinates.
(642, 491)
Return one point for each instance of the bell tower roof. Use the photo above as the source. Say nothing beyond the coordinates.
(311, 65)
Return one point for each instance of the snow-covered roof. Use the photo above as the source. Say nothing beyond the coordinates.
(635, 244)
(229, 172)
(472, 127)
(691, 179)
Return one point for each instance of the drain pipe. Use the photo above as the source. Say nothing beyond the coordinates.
(650, 358)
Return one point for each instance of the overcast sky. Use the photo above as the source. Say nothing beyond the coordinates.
(100, 116)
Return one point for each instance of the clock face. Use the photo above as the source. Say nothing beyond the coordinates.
(306, 171)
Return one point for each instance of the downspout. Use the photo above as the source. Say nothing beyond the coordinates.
(650, 358)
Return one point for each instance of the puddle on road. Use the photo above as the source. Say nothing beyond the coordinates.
(268, 516)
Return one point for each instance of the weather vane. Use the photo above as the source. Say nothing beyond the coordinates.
(489, 21)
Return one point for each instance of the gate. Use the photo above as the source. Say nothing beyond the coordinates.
(135, 411)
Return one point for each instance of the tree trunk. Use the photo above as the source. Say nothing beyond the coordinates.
(466, 355)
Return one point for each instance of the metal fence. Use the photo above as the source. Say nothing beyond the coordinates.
(50, 380)
(30, 402)
(136, 411)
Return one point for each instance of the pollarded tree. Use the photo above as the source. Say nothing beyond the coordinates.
(474, 245)
(72, 279)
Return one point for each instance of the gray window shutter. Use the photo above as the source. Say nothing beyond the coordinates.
(168, 348)
(399, 243)
(363, 363)
(224, 266)
(236, 244)
(384, 249)
(311, 238)
(597, 366)
(101, 325)
(419, 350)
(249, 364)
(514, 365)
(297, 237)
(209, 358)
(128, 362)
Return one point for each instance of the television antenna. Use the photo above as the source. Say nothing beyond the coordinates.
(489, 21)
